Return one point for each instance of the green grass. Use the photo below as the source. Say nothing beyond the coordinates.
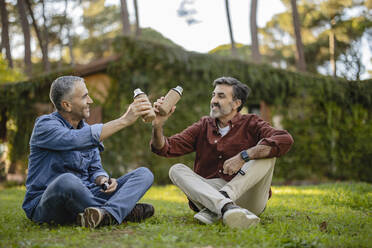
(293, 218)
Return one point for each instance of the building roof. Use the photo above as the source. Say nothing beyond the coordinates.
(95, 66)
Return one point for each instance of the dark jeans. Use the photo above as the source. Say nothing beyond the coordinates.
(67, 196)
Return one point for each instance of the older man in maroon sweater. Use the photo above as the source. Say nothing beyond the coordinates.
(235, 157)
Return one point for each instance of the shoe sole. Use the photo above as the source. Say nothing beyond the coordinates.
(238, 218)
(80, 221)
(203, 219)
(92, 217)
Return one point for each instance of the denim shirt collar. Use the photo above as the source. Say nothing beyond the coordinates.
(59, 116)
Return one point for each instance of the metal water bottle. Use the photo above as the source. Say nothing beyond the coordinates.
(171, 99)
(138, 93)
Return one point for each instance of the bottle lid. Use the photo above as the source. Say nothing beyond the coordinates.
(178, 89)
(137, 92)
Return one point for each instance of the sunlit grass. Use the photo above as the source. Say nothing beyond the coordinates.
(166, 193)
(332, 215)
(296, 191)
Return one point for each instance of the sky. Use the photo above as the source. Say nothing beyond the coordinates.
(212, 30)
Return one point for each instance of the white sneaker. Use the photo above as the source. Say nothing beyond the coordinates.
(206, 216)
(240, 218)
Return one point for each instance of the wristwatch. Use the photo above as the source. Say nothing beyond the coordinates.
(244, 155)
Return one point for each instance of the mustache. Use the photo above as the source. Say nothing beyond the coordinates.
(215, 105)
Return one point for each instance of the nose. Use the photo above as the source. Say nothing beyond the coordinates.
(213, 100)
(90, 100)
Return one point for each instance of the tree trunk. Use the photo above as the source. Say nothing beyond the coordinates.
(62, 25)
(256, 56)
(138, 30)
(70, 45)
(3, 121)
(5, 33)
(125, 17)
(332, 49)
(26, 35)
(44, 53)
(233, 48)
(70, 48)
(46, 37)
(300, 56)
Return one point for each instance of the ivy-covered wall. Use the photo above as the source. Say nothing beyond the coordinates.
(330, 119)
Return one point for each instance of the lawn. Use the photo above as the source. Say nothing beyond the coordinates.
(330, 215)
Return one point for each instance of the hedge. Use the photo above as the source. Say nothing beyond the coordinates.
(329, 118)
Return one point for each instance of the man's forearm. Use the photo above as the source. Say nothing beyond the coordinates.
(259, 151)
(112, 127)
(157, 137)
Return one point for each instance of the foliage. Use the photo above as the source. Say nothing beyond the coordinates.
(328, 118)
(332, 215)
(352, 21)
(349, 20)
(243, 52)
(17, 100)
(7, 74)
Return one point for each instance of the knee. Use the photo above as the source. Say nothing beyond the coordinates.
(175, 170)
(67, 182)
(146, 174)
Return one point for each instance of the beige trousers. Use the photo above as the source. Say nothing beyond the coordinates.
(250, 191)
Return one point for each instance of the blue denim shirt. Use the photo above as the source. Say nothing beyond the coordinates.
(57, 148)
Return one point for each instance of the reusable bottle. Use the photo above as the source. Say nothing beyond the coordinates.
(138, 93)
(172, 97)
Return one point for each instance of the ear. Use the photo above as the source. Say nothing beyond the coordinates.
(237, 103)
(66, 105)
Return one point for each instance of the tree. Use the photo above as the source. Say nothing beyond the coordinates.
(300, 56)
(187, 13)
(43, 45)
(256, 56)
(5, 32)
(125, 17)
(46, 35)
(26, 36)
(138, 29)
(233, 48)
(352, 20)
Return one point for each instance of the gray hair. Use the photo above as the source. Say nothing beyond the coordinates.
(62, 88)
(240, 91)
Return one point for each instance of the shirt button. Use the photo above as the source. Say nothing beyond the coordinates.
(220, 156)
(215, 141)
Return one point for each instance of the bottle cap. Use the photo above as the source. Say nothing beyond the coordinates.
(137, 92)
(179, 90)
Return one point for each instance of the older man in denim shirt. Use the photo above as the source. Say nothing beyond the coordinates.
(65, 172)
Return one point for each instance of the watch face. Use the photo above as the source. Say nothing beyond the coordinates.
(244, 156)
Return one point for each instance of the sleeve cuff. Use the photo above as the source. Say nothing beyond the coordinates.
(101, 173)
(162, 151)
(274, 148)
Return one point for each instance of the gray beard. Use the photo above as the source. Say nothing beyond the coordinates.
(214, 114)
(220, 112)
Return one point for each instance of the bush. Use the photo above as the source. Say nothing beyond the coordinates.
(330, 119)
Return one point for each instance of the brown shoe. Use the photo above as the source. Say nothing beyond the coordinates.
(96, 217)
(140, 212)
